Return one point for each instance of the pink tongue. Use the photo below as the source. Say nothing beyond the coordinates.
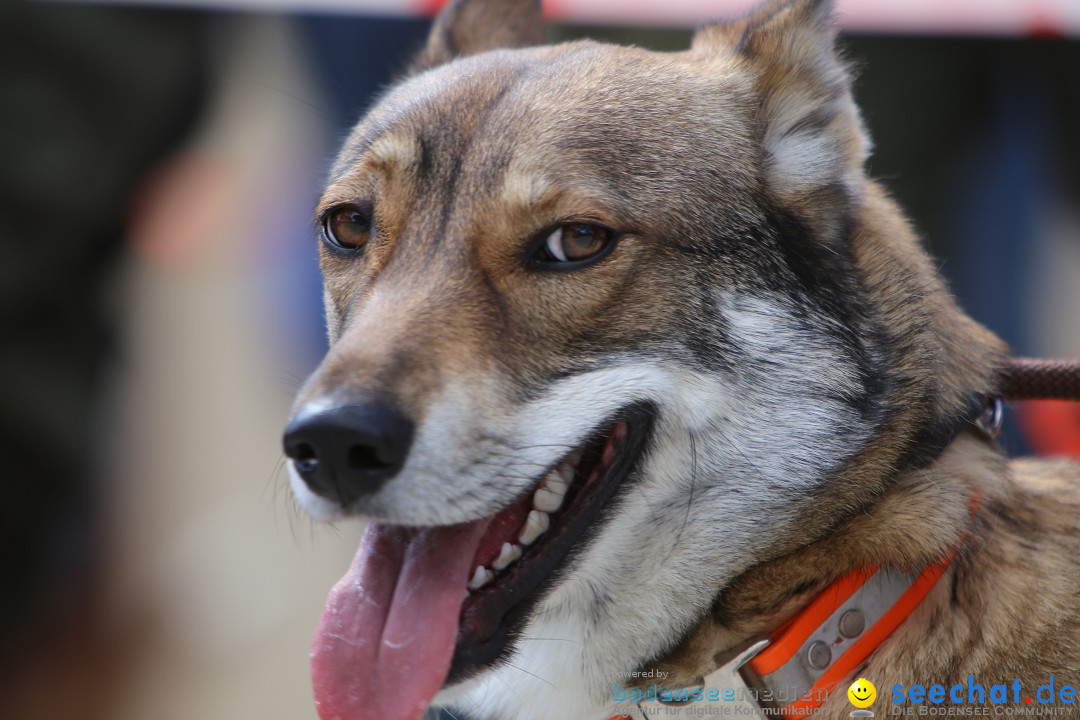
(386, 637)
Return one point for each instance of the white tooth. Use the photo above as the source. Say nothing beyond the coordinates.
(546, 500)
(535, 526)
(555, 483)
(565, 473)
(507, 555)
(480, 578)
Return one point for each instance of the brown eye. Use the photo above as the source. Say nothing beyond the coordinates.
(576, 242)
(347, 227)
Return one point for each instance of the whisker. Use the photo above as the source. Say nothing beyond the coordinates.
(575, 642)
(533, 675)
(272, 479)
(753, 466)
(690, 499)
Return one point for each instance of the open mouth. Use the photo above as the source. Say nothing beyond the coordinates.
(423, 607)
(525, 543)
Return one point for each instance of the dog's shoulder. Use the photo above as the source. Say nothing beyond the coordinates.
(1031, 571)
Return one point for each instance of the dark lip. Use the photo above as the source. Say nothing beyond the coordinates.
(492, 620)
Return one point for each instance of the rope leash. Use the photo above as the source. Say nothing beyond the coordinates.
(1040, 379)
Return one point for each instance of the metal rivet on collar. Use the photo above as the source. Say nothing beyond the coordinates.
(819, 655)
(852, 623)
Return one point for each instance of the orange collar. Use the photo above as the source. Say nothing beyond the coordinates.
(794, 670)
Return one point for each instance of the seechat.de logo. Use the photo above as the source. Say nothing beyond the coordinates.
(972, 692)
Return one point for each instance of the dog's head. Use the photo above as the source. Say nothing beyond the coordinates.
(608, 328)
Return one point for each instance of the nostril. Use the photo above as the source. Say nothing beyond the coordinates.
(365, 457)
(305, 458)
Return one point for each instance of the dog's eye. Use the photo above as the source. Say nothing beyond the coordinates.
(347, 227)
(575, 242)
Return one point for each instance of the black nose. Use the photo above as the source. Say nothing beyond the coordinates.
(349, 451)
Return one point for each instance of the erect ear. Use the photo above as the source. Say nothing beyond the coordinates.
(467, 27)
(812, 135)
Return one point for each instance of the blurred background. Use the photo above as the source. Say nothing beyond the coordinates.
(160, 302)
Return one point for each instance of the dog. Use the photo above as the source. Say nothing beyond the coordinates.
(630, 363)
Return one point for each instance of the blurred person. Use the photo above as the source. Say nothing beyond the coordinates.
(93, 99)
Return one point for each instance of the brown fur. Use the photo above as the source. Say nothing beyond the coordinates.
(1007, 607)
(468, 160)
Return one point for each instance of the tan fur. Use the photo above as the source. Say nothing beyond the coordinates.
(467, 161)
(1007, 607)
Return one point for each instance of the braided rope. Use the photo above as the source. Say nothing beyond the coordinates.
(1038, 379)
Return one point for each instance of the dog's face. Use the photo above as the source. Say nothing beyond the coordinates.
(596, 309)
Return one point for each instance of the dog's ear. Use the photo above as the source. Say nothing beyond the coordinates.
(812, 135)
(467, 27)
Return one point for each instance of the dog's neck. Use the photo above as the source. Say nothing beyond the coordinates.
(909, 518)
(925, 515)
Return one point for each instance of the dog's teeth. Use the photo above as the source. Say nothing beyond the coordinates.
(535, 526)
(507, 555)
(549, 496)
(573, 460)
(547, 500)
(480, 578)
(555, 483)
(564, 474)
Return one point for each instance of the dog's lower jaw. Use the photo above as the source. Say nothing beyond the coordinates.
(581, 639)
(556, 677)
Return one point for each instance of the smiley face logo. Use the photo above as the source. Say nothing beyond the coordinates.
(862, 693)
